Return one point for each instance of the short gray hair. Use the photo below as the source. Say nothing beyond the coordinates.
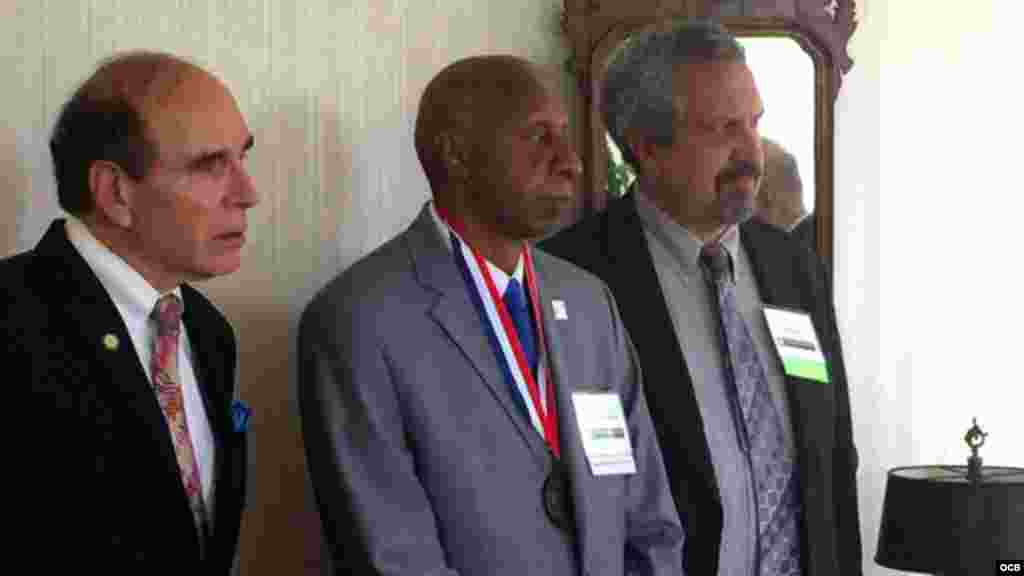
(638, 88)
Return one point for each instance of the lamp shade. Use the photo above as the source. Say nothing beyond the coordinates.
(935, 520)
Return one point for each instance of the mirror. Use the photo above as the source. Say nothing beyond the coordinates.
(785, 77)
(796, 49)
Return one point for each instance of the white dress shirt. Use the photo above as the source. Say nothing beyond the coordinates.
(676, 254)
(501, 280)
(499, 276)
(135, 299)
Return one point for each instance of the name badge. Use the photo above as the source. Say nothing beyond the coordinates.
(797, 344)
(605, 435)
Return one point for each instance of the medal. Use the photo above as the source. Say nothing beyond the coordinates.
(556, 497)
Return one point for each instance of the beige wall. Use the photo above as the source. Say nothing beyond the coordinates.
(928, 227)
(330, 89)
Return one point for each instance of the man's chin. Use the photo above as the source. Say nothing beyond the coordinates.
(553, 215)
(221, 267)
(537, 228)
(736, 207)
(738, 216)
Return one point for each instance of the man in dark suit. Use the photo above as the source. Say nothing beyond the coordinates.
(135, 454)
(759, 451)
(780, 196)
(469, 408)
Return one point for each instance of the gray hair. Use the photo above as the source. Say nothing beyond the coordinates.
(638, 88)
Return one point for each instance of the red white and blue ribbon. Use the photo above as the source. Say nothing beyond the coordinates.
(537, 391)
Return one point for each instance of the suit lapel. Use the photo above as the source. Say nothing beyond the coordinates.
(212, 365)
(783, 280)
(93, 317)
(454, 311)
(776, 275)
(561, 376)
(667, 383)
(594, 517)
(207, 365)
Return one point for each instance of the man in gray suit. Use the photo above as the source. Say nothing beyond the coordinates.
(453, 430)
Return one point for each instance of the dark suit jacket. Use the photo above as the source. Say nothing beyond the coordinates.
(612, 245)
(97, 482)
(805, 232)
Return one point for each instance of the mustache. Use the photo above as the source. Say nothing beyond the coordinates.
(740, 169)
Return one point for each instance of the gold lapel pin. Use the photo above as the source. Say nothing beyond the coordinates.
(110, 342)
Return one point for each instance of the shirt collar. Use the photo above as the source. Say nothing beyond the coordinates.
(131, 293)
(501, 279)
(675, 238)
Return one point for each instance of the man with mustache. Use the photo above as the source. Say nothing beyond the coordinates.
(732, 320)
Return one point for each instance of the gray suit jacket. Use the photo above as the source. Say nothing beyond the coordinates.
(420, 460)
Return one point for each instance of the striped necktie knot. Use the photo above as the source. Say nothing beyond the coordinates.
(715, 259)
(167, 314)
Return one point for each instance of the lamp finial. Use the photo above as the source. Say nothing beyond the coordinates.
(974, 438)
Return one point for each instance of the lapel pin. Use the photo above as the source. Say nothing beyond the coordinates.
(110, 342)
(558, 307)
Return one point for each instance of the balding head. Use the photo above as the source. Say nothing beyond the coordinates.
(106, 120)
(493, 138)
(465, 104)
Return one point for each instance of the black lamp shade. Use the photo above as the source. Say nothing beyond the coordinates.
(934, 520)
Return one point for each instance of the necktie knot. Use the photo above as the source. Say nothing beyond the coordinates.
(515, 299)
(519, 310)
(167, 314)
(715, 259)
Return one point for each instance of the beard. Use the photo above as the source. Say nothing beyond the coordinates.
(736, 202)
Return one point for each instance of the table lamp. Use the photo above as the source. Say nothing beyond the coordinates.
(953, 520)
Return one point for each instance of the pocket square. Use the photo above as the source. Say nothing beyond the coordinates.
(240, 413)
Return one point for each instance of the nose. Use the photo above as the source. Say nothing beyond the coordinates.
(243, 187)
(567, 162)
(748, 147)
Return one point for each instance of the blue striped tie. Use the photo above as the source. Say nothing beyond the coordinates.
(519, 310)
(760, 428)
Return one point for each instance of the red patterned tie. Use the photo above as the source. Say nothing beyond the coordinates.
(164, 367)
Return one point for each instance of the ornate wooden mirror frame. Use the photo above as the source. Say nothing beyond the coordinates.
(821, 27)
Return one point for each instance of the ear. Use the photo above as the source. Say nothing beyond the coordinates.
(453, 153)
(112, 192)
(452, 147)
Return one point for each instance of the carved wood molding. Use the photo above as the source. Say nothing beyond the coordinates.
(822, 27)
(832, 22)
(828, 23)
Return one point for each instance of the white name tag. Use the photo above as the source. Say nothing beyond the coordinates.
(797, 344)
(605, 435)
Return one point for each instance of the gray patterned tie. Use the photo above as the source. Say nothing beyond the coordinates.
(759, 427)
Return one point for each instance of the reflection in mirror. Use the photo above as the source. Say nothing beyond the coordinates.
(785, 79)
